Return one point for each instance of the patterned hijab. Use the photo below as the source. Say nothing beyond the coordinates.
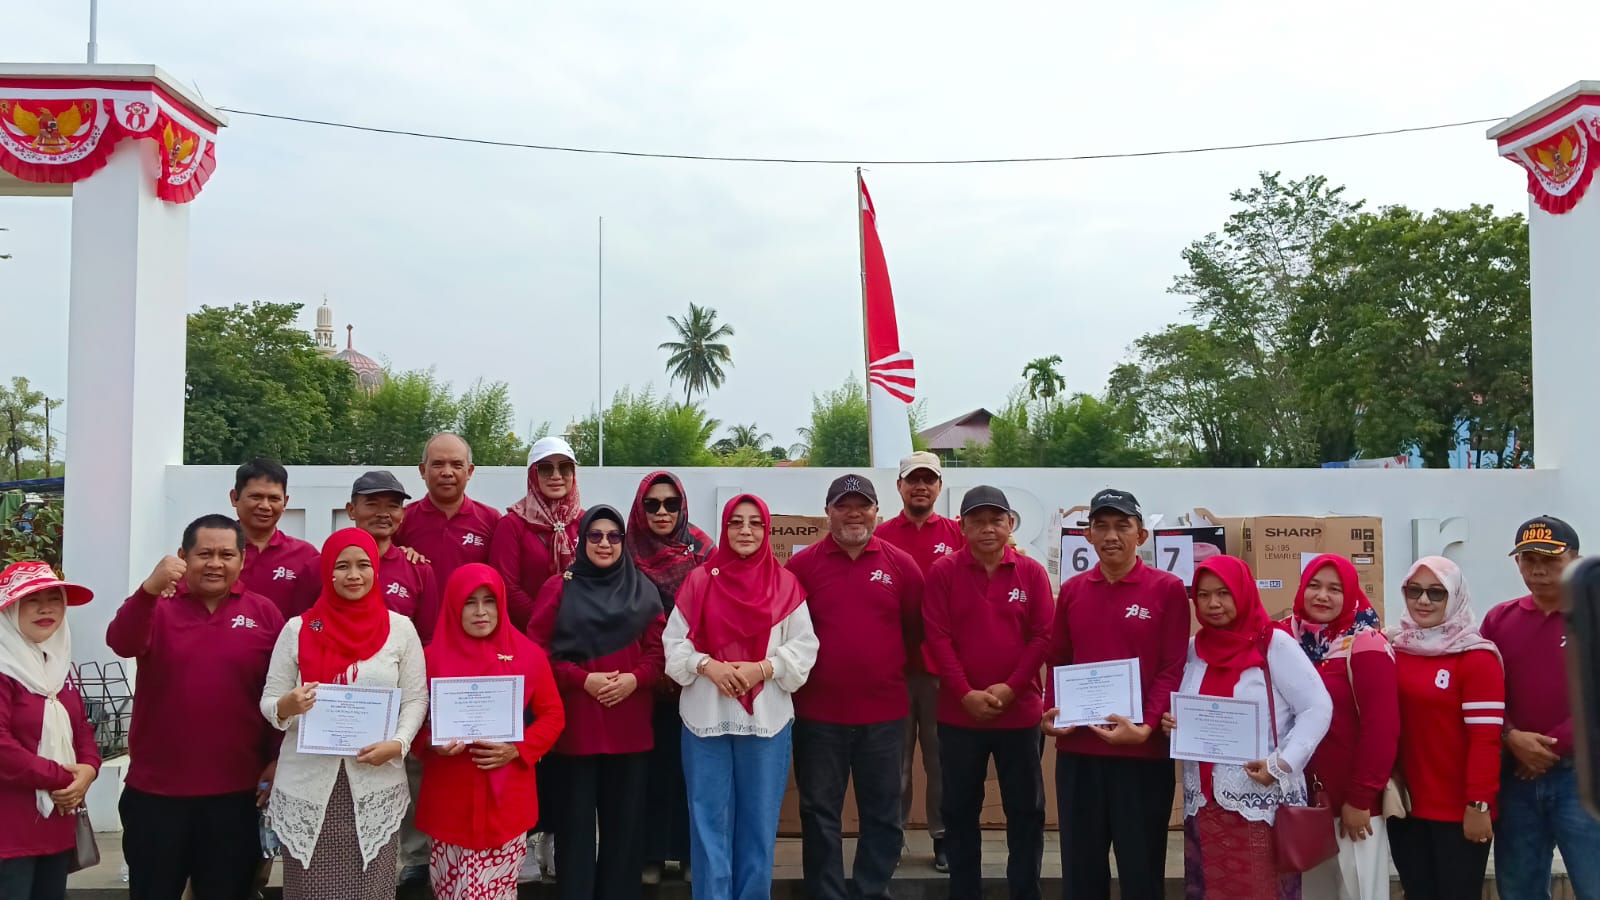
(546, 516)
(665, 559)
(1458, 633)
(1326, 641)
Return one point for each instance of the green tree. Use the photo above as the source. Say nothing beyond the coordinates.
(747, 457)
(698, 355)
(21, 423)
(257, 386)
(643, 429)
(1042, 378)
(390, 426)
(837, 435)
(488, 423)
(1080, 431)
(743, 437)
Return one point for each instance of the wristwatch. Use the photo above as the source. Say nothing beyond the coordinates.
(1478, 806)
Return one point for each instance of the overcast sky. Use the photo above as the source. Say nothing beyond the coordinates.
(481, 261)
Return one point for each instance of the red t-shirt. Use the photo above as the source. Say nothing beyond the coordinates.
(867, 613)
(1533, 646)
(288, 572)
(1452, 709)
(449, 542)
(987, 629)
(1145, 615)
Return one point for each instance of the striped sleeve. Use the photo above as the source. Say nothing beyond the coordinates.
(1483, 709)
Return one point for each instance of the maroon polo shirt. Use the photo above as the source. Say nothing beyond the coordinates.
(23, 832)
(288, 572)
(1145, 615)
(1533, 649)
(410, 590)
(928, 543)
(986, 629)
(197, 725)
(867, 613)
(449, 542)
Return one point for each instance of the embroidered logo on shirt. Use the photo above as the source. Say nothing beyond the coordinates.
(881, 575)
(1442, 680)
(472, 540)
(1135, 611)
(1017, 595)
(244, 622)
(396, 589)
(943, 549)
(282, 573)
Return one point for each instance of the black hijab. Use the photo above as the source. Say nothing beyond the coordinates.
(602, 610)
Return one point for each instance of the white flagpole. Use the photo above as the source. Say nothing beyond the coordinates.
(866, 347)
(94, 23)
(600, 339)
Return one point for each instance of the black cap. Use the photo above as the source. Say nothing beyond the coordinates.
(379, 482)
(1118, 501)
(984, 495)
(845, 485)
(1546, 534)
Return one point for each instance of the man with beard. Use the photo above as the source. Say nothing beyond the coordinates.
(928, 537)
(1114, 782)
(865, 598)
(279, 567)
(447, 527)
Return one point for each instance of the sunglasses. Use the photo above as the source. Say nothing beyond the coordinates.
(653, 505)
(605, 537)
(549, 470)
(1435, 594)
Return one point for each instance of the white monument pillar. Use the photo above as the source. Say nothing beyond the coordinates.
(126, 321)
(1557, 143)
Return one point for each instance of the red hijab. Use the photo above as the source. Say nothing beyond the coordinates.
(336, 633)
(1240, 645)
(1324, 641)
(456, 654)
(731, 604)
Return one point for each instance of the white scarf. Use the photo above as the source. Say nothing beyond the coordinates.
(42, 669)
(1458, 633)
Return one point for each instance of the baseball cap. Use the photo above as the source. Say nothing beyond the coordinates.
(983, 495)
(546, 447)
(845, 485)
(1118, 501)
(380, 482)
(1546, 534)
(921, 459)
(29, 577)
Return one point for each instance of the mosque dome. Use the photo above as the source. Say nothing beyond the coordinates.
(367, 370)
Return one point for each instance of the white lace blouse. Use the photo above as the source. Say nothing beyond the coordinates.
(792, 650)
(1304, 712)
(305, 782)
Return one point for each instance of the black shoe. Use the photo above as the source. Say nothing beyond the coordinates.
(940, 863)
(411, 875)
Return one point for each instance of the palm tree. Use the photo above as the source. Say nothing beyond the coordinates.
(1043, 379)
(742, 436)
(697, 355)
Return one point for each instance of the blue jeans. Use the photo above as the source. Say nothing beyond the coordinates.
(35, 877)
(1536, 817)
(736, 785)
(826, 758)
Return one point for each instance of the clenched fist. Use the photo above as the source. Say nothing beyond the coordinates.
(163, 581)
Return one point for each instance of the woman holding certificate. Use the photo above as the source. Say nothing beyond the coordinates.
(740, 642)
(347, 683)
(601, 623)
(480, 797)
(1252, 749)
(1452, 710)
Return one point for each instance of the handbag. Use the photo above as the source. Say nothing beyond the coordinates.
(86, 852)
(1396, 797)
(1303, 836)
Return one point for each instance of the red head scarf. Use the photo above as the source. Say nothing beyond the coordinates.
(456, 654)
(336, 633)
(731, 604)
(667, 560)
(1325, 641)
(552, 517)
(1240, 645)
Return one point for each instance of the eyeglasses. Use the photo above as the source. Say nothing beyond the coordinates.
(739, 524)
(1435, 594)
(549, 470)
(605, 537)
(653, 505)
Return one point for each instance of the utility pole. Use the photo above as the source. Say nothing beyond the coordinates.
(48, 405)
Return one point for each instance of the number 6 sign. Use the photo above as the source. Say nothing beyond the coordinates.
(1077, 556)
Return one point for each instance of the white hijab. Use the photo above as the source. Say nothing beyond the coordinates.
(1458, 633)
(42, 669)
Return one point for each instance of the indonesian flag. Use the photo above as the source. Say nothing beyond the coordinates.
(891, 375)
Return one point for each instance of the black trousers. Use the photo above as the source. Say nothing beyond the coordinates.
(964, 754)
(827, 757)
(35, 877)
(211, 843)
(666, 795)
(605, 790)
(1436, 861)
(1112, 802)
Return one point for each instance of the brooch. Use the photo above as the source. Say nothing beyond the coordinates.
(316, 625)
(504, 657)
(714, 571)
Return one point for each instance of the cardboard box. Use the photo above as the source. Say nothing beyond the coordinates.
(1279, 547)
(791, 534)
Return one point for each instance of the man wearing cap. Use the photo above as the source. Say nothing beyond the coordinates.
(284, 569)
(1115, 782)
(1539, 805)
(447, 527)
(202, 757)
(865, 597)
(987, 611)
(928, 537)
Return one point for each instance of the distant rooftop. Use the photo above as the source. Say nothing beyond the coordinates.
(947, 437)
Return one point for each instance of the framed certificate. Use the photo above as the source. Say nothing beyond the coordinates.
(347, 717)
(1086, 694)
(475, 709)
(1223, 730)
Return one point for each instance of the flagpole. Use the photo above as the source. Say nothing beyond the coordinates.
(866, 345)
(600, 337)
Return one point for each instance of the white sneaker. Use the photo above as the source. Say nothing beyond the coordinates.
(530, 871)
